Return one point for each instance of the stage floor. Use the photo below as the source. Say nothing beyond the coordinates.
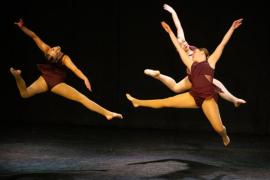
(78, 153)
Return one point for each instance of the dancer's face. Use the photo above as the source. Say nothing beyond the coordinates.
(53, 53)
(198, 55)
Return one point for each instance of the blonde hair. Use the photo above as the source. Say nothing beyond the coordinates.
(206, 52)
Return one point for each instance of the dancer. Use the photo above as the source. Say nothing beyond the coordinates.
(203, 92)
(53, 75)
(185, 84)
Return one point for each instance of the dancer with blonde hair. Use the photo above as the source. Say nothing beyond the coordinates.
(203, 93)
(53, 75)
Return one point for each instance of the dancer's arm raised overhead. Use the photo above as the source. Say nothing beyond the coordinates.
(42, 46)
(180, 31)
(185, 58)
(214, 57)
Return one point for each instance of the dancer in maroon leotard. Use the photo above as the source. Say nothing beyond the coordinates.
(203, 92)
(185, 84)
(53, 76)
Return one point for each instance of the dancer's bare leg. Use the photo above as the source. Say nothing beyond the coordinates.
(211, 110)
(184, 100)
(179, 87)
(38, 86)
(69, 92)
(227, 95)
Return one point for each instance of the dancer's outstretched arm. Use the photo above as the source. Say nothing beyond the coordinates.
(42, 46)
(180, 31)
(213, 58)
(185, 58)
(69, 64)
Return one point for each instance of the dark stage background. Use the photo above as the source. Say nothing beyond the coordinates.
(112, 42)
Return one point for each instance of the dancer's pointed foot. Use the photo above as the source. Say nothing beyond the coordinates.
(226, 140)
(112, 115)
(238, 102)
(132, 100)
(152, 73)
(15, 72)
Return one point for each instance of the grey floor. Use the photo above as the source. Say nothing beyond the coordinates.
(78, 153)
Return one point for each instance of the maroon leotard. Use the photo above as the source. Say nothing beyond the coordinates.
(201, 78)
(53, 73)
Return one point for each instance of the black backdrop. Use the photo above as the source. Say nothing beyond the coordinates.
(112, 42)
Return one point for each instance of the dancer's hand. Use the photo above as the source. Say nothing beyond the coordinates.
(168, 8)
(166, 27)
(87, 84)
(236, 23)
(20, 23)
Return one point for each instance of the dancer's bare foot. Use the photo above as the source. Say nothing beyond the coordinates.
(237, 102)
(15, 72)
(152, 73)
(132, 99)
(112, 115)
(226, 140)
